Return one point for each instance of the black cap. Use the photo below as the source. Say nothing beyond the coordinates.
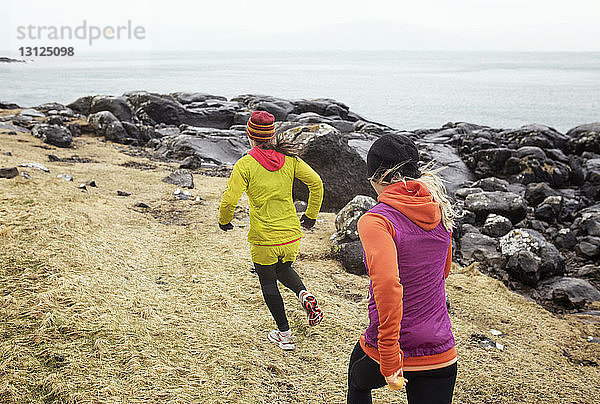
(391, 151)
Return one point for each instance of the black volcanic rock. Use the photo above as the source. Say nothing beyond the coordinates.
(82, 105)
(118, 106)
(570, 293)
(104, 123)
(53, 134)
(9, 172)
(188, 98)
(506, 204)
(153, 109)
(343, 171)
(217, 146)
(586, 138)
(8, 105)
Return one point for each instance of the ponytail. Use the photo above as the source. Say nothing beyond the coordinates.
(281, 145)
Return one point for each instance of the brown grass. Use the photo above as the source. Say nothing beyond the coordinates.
(101, 301)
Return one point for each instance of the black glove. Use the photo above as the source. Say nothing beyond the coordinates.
(307, 222)
(225, 227)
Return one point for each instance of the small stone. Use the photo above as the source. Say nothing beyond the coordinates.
(181, 178)
(593, 340)
(182, 195)
(7, 153)
(300, 206)
(484, 342)
(496, 225)
(462, 193)
(37, 166)
(25, 175)
(82, 186)
(589, 246)
(198, 199)
(65, 177)
(495, 333)
(123, 193)
(91, 183)
(10, 172)
(141, 205)
(499, 346)
(565, 239)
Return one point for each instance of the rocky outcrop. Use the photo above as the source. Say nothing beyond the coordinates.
(585, 138)
(118, 106)
(510, 185)
(53, 134)
(104, 123)
(153, 109)
(212, 146)
(343, 171)
(345, 243)
(569, 293)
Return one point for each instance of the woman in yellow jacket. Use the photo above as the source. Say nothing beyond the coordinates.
(267, 174)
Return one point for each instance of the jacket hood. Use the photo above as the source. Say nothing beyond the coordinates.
(269, 159)
(413, 199)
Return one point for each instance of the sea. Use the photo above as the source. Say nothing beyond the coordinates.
(404, 89)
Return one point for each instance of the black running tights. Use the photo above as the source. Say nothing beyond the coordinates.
(268, 276)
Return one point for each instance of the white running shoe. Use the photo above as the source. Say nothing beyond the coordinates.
(314, 312)
(285, 343)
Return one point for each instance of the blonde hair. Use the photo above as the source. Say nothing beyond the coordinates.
(431, 179)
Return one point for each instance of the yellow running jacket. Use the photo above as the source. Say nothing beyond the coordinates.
(267, 177)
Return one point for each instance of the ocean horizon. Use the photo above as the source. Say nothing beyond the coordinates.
(403, 89)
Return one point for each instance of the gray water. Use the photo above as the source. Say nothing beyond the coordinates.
(406, 90)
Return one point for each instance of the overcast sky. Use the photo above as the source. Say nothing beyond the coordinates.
(519, 25)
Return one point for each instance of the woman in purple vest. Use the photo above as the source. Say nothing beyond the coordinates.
(407, 252)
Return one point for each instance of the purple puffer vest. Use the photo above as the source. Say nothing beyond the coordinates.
(425, 327)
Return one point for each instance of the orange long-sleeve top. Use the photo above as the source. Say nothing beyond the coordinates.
(377, 236)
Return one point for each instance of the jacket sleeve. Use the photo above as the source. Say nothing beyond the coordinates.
(377, 237)
(307, 175)
(448, 261)
(236, 185)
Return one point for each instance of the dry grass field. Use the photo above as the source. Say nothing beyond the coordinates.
(103, 301)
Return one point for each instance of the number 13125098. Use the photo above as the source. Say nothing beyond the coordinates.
(47, 51)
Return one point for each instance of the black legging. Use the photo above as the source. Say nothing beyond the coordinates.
(424, 387)
(268, 276)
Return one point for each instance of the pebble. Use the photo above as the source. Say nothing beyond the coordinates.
(495, 333)
(8, 172)
(91, 183)
(486, 342)
(25, 175)
(37, 166)
(65, 177)
(141, 205)
(7, 153)
(182, 195)
(123, 193)
(593, 340)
